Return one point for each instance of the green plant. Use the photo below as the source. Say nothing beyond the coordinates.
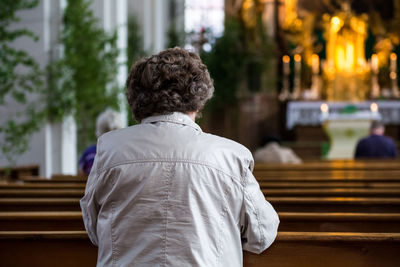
(83, 82)
(239, 57)
(226, 64)
(21, 82)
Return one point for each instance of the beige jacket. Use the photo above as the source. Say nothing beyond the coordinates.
(163, 193)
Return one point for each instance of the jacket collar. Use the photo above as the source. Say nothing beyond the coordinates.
(176, 117)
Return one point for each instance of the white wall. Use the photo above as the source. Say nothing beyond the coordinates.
(44, 21)
(53, 148)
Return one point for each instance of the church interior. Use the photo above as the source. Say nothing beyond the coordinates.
(304, 85)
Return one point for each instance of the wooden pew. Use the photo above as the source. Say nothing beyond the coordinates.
(24, 186)
(41, 221)
(72, 248)
(39, 204)
(298, 249)
(328, 184)
(290, 221)
(293, 192)
(329, 170)
(329, 175)
(290, 204)
(333, 192)
(339, 222)
(336, 204)
(299, 177)
(46, 249)
(17, 172)
(44, 193)
(68, 179)
(391, 164)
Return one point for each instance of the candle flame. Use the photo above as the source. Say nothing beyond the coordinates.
(374, 107)
(286, 59)
(324, 107)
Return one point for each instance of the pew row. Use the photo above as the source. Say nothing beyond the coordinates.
(263, 184)
(344, 165)
(68, 179)
(42, 185)
(335, 192)
(298, 249)
(41, 221)
(328, 175)
(290, 221)
(292, 204)
(336, 204)
(54, 192)
(279, 192)
(328, 184)
(339, 222)
(73, 248)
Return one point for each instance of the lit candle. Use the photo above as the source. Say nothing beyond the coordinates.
(374, 108)
(286, 67)
(285, 82)
(393, 75)
(315, 63)
(297, 77)
(374, 63)
(393, 62)
(324, 111)
(297, 62)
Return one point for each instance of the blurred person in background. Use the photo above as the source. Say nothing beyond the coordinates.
(376, 145)
(107, 121)
(271, 151)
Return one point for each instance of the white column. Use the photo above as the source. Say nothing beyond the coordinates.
(121, 16)
(158, 27)
(147, 25)
(61, 138)
(69, 159)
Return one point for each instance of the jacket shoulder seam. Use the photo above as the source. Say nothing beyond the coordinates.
(168, 160)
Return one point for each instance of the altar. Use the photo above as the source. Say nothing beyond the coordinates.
(344, 123)
(336, 86)
(308, 113)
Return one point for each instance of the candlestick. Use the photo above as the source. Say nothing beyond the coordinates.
(286, 67)
(393, 62)
(374, 63)
(315, 63)
(285, 82)
(374, 77)
(297, 77)
(315, 76)
(393, 75)
(324, 111)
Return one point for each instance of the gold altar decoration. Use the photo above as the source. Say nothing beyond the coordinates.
(249, 13)
(291, 20)
(346, 70)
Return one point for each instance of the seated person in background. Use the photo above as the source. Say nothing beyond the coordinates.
(107, 121)
(376, 145)
(163, 192)
(271, 151)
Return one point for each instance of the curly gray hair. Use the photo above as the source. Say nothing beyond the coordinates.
(173, 80)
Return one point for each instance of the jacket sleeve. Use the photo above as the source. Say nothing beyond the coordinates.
(89, 205)
(259, 220)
